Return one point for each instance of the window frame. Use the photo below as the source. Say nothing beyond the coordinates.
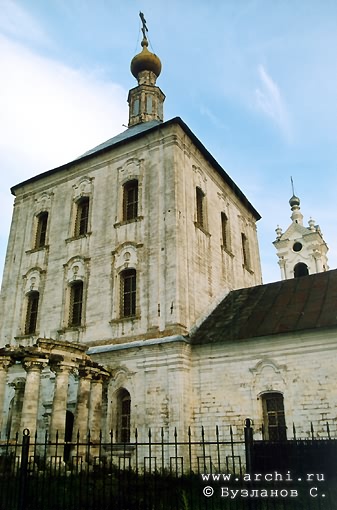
(225, 237)
(76, 301)
(130, 203)
(245, 251)
(275, 428)
(128, 293)
(123, 416)
(41, 230)
(200, 207)
(82, 216)
(32, 311)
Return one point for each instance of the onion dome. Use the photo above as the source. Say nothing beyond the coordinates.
(294, 201)
(145, 61)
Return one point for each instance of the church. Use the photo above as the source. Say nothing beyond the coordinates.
(132, 295)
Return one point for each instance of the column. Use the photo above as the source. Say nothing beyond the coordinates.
(82, 407)
(95, 410)
(19, 387)
(60, 399)
(5, 363)
(30, 407)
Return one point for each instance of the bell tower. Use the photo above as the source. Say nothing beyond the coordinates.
(301, 250)
(146, 100)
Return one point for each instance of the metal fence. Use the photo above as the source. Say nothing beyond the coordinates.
(160, 472)
(155, 472)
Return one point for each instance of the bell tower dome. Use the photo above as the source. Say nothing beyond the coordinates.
(146, 100)
(301, 250)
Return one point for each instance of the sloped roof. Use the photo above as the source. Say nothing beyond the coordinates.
(125, 135)
(305, 303)
(136, 132)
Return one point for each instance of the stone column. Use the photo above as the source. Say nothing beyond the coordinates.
(82, 407)
(95, 410)
(60, 399)
(5, 363)
(33, 367)
(19, 387)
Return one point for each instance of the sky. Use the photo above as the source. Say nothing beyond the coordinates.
(255, 80)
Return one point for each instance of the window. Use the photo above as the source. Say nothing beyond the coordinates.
(124, 414)
(130, 200)
(273, 417)
(224, 231)
(200, 207)
(297, 246)
(128, 293)
(245, 250)
(76, 303)
(301, 269)
(32, 310)
(41, 230)
(82, 217)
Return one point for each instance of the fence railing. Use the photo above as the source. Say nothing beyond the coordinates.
(94, 474)
(157, 472)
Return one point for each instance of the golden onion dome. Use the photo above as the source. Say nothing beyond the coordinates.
(145, 61)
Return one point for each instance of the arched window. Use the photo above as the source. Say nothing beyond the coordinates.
(200, 207)
(273, 417)
(82, 217)
(123, 416)
(128, 282)
(32, 311)
(301, 269)
(130, 200)
(76, 303)
(41, 230)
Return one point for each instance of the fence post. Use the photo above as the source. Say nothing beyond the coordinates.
(249, 445)
(22, 500)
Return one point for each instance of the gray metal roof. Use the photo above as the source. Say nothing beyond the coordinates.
(128, 133)
(137, 132)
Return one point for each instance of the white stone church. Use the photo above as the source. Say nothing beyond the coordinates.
(132, 295)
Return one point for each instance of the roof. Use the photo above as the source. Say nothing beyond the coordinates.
(136, 132)
(125, 135)
(288, 306)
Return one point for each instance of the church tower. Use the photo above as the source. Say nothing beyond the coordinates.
(146, 100)
(301, 250)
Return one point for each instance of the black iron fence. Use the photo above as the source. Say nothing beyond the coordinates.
(161, 472)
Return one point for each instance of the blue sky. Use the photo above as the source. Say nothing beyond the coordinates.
(255, 80)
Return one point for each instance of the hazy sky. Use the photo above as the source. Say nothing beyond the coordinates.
(256, 81)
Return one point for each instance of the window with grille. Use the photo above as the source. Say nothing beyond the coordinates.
(130, 200)
(273, 414)
(76, 303)
(32, 311)
(128, 293)
(200, 207)
(245, 250)
(82, 217)
(41, 230)
(124, 415)
(224, 231)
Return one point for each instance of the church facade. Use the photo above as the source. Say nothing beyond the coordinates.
(132, 296)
